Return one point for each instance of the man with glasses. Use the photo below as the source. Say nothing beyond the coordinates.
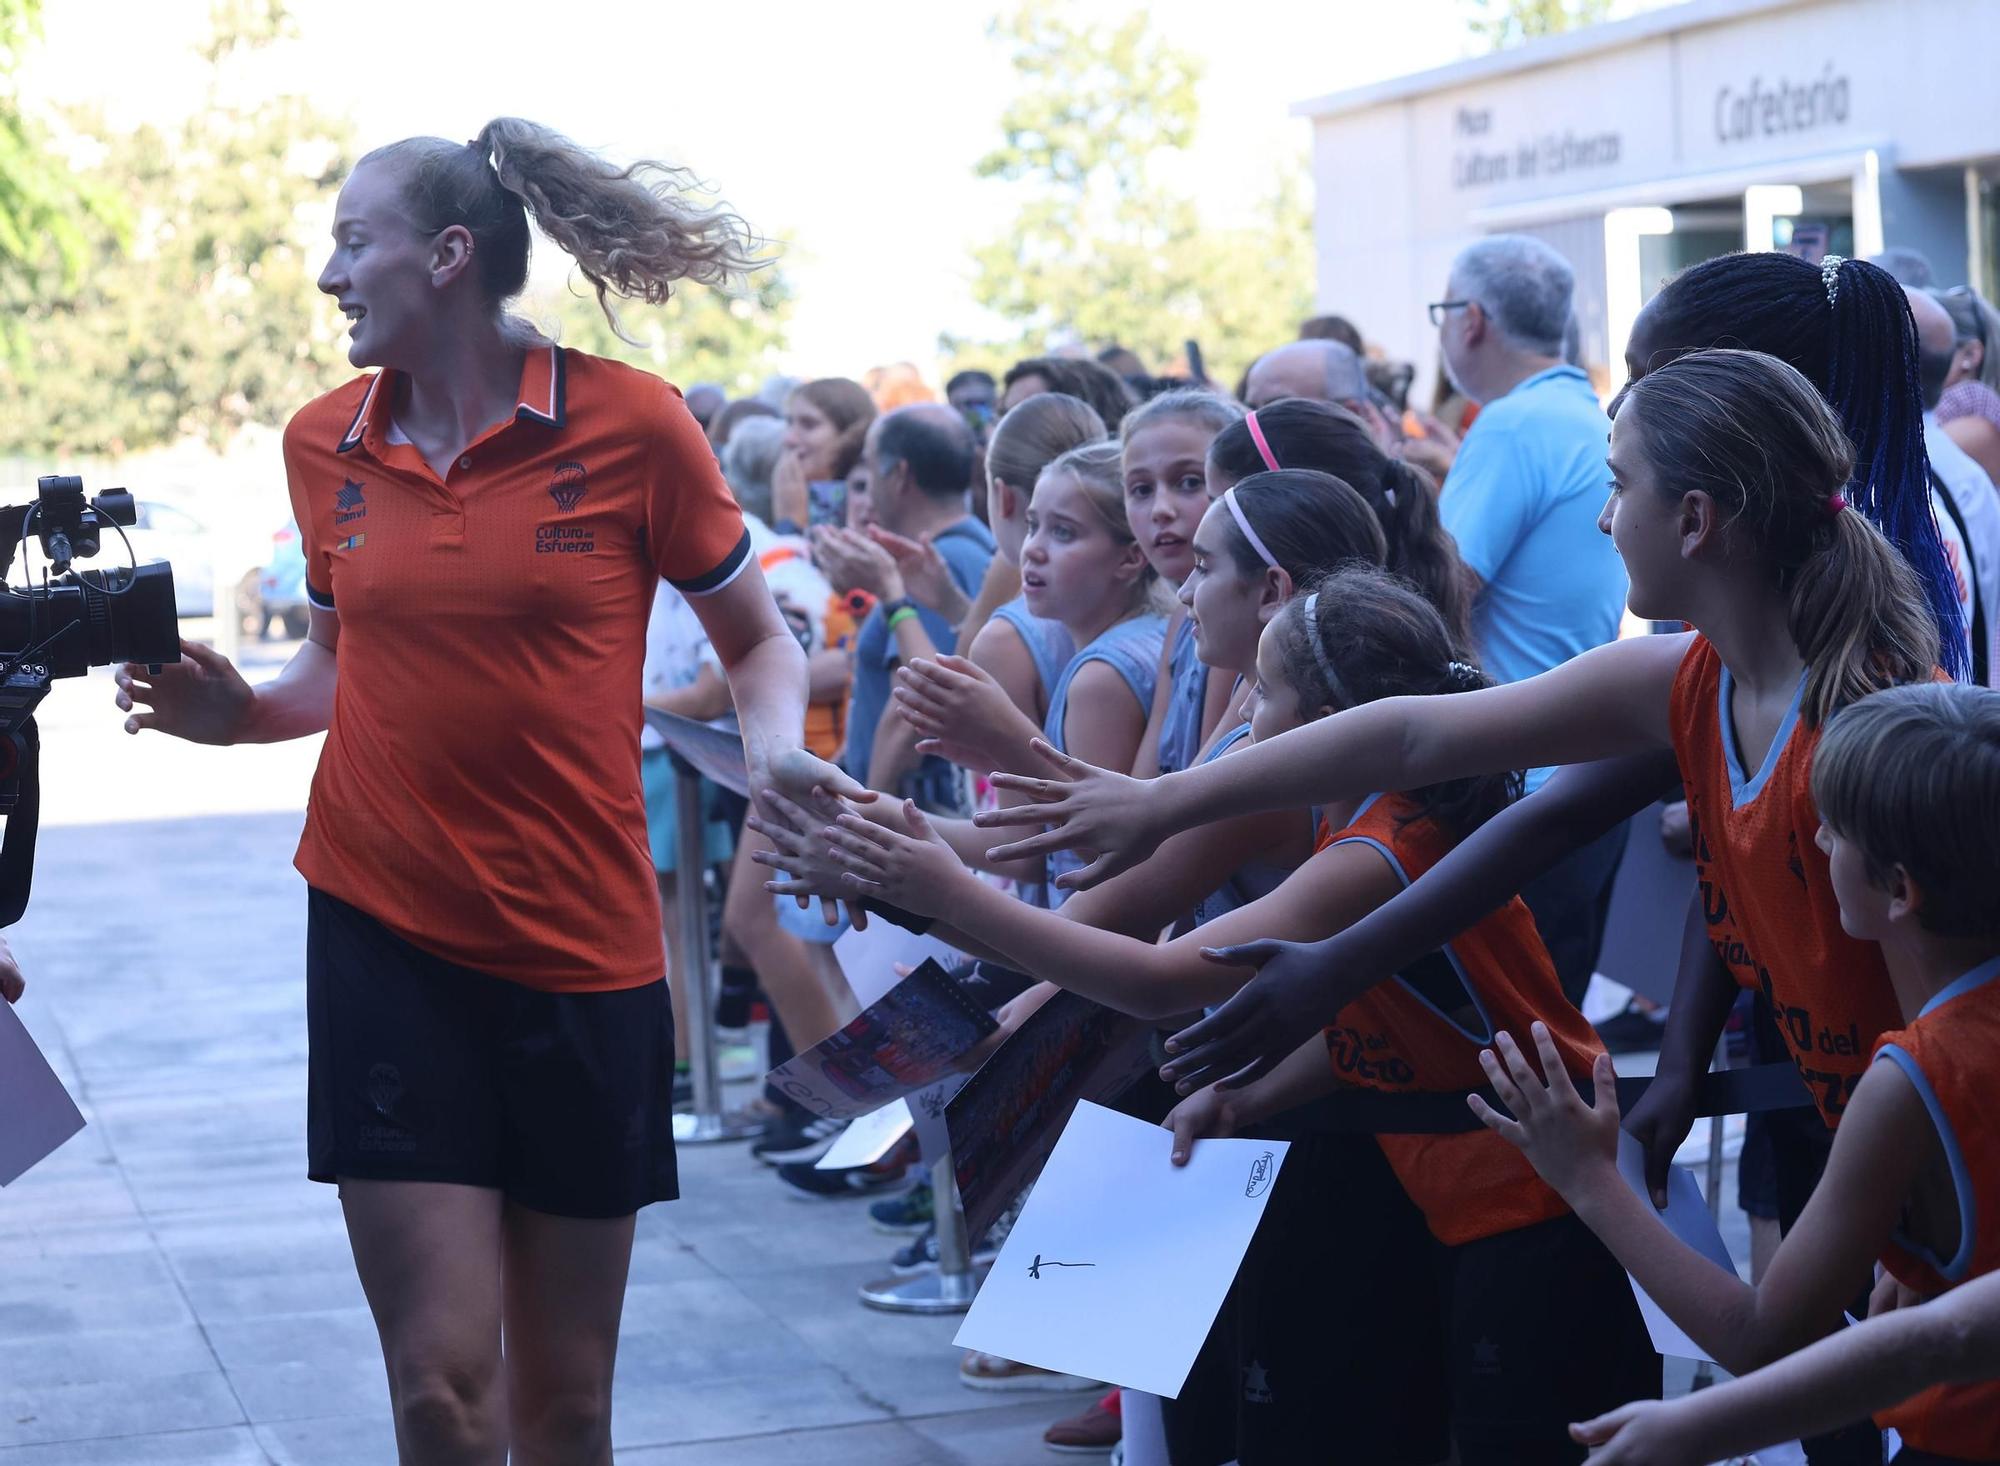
(1522, 500)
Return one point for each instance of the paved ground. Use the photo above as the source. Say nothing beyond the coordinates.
(174, 1292)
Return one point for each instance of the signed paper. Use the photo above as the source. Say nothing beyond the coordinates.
(36, 1113)
(868, 1139)
(1120, 1260)
(906, 1040)
(1687, 1216)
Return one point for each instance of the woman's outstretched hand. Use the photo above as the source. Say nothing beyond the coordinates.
(799, 856)
(201, 698)
(1294, 994)
(1111, 816)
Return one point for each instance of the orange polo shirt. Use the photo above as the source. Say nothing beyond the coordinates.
(479, 790)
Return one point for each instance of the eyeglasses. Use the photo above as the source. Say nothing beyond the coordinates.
(1439, 307)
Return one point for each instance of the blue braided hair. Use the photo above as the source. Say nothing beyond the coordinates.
(1847, 329)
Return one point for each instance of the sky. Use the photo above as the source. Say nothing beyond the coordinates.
(847, 131)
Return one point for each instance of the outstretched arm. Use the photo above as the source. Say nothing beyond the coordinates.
(1884, 1138)
(1298, 988)
(1136, 976)
(1846, 1377)
(1608, 702)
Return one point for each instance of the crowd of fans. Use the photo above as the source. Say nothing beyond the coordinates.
(1192, 638)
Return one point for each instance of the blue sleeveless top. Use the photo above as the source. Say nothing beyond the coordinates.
(1048, 642)
(1180, 724)
(1132, 648)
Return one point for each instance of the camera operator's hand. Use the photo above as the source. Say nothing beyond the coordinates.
(11, 981)
(201, 698)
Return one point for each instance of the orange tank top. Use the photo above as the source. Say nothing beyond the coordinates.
(1765, 890)
(1423, 1030)
(1947, 1052)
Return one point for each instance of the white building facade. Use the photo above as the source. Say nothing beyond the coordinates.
(1642, 146)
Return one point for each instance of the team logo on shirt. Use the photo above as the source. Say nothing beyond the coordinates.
(567, 487)
(348, 505)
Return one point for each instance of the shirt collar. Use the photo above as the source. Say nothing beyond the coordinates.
(543, 399)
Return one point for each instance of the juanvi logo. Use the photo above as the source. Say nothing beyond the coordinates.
(348, 505)
(1261, 1171)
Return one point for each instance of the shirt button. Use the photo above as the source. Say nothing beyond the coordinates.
(465, 462)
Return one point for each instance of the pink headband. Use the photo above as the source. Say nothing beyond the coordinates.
(1257, 437)
(1243, 523)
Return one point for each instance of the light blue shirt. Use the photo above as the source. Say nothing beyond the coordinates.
(1522, 501)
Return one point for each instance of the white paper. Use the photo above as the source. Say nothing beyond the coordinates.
(1120, 1260)
(1687, 1216)
(868, 958)
(868, 1139)
(36, 1113)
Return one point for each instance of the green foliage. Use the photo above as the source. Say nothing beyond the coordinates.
(1100, 250)
(700, 335)
(208, 318)
(46, 218)
(1501, 23)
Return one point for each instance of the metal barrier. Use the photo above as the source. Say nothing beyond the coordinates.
(707, 1122)
(951, 1288)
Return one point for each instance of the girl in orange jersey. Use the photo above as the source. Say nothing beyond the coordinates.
(1727, 507)
(1907, 781)
(1513, 1368)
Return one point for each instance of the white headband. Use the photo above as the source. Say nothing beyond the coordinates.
(1243, 523)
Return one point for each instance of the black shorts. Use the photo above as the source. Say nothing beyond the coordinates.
(1543, 1331)
(1330, 1345)
(422, 1070)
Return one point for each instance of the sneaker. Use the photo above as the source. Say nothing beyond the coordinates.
(907, 1215)
(981, 1371)
(806, 1182)
(1095, 1432)
(921, 1255)
(793, 1137)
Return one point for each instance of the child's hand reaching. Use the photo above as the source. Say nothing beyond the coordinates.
(1643, 1433)
(799, 856)
(963, 714)
(917, 871)
(1571, 1144)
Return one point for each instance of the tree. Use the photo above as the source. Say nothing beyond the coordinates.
(208, 319)
(45, 216)
(700, 335)
(1100, 250)
(1501, 23)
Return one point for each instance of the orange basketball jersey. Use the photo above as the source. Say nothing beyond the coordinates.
(1765, 890)
(1948, 1054)
(1424, 1033)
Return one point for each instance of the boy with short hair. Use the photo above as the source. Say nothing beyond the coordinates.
(1907, 783)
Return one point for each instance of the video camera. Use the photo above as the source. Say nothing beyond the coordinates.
(72, 621)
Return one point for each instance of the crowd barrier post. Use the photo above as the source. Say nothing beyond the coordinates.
(706, 1123)
(951, 1288)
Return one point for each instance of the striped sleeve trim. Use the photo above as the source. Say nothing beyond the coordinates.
(733, 564)
(317, 597)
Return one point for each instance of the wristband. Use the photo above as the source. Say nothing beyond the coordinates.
(898, 612)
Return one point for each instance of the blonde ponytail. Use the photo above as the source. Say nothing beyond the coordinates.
(632, 231)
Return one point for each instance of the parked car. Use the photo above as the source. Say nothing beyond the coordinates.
(163, 531)
(281, 584)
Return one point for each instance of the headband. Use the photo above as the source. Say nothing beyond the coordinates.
(1243, 523)
(1257, 436)
(1829, 276)
(1333, 682)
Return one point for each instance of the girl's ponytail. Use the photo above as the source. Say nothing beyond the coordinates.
(1757, 438)
(1873, 379)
